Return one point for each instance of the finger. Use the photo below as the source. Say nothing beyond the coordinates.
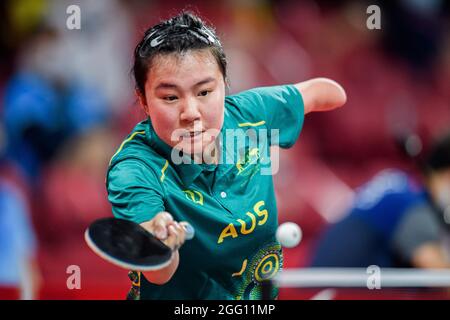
(181, 234)
(178, 236)
(172, 240)
(160, 224)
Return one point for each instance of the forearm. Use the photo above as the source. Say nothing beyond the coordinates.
(162, 276)
(321, 94)
(430, 255)
(172, 234)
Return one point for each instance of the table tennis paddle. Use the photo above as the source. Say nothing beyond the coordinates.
(128, 245)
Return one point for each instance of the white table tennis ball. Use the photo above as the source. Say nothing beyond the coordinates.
(289, 234)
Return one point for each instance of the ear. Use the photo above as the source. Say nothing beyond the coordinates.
(142, 100)
(227, 86)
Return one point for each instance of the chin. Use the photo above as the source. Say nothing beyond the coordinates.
(196, 148)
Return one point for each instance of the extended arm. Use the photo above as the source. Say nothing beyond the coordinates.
(321, 94)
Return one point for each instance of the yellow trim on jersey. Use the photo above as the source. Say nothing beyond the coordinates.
(123, 144)
(251, 124)
(163, 175)
(244, 265)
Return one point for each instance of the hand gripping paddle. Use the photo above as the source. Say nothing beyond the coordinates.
(128, 245)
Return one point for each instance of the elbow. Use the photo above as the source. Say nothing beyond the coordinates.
(158, 277)
(158, 280)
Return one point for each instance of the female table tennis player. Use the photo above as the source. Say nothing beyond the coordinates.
(180, 73)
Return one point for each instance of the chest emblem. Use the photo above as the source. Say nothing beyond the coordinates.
(247, 161)
(194, 196)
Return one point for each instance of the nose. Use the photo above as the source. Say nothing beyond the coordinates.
(190, 111)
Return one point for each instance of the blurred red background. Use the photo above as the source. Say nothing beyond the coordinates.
(67, 102)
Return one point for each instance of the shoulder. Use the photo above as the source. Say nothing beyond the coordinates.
(135, 160)
(134, 143)
(138, 146)
(257, 103)
(261, 95)
(129, 170)
(133, 178)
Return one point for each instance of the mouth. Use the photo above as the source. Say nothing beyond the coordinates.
(192, 134)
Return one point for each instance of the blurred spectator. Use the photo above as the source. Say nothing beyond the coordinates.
(19, 273)
(19, 19)
(45, 105)
(32, 122)
(395, 221)
(98, 55)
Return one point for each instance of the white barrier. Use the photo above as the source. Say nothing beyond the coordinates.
(360, 277)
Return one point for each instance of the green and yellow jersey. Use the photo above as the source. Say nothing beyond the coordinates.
(231, 205)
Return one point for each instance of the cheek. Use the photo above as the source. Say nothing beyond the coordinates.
(213, 114)
(164, 120)
(165, 117)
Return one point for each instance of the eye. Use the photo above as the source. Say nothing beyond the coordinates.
(170, 98)
(204, 93)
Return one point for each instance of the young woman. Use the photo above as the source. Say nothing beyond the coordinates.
(180, 72)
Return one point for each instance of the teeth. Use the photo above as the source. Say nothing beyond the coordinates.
(193, 134)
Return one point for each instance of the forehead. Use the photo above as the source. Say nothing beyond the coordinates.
(183, 68)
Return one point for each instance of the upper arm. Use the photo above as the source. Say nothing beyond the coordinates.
(134, 191)
(321, 94)
(417, 238)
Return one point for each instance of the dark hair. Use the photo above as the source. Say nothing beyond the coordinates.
(178, 34)
(439, 155)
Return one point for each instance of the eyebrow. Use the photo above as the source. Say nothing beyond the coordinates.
(165, 85)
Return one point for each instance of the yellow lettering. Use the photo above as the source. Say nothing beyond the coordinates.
(243, 224)
(261, 213)
(229, 230)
